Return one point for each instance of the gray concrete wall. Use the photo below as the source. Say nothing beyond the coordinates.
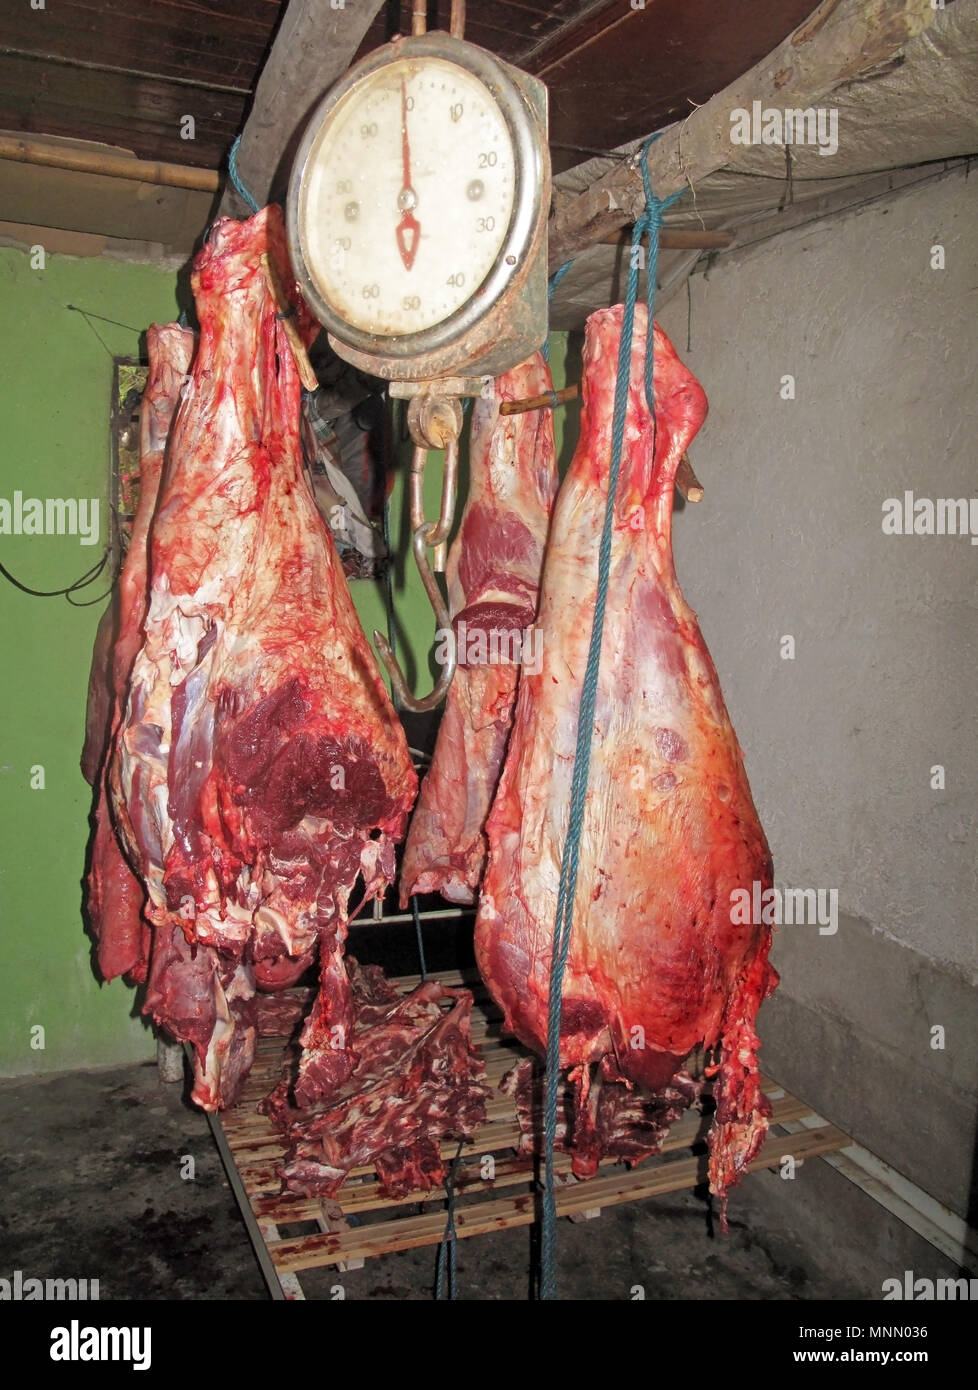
(840, 741)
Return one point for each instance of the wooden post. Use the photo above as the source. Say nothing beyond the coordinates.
(314, 46)
(840, 41)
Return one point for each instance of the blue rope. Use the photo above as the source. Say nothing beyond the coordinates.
(417, 933)
(448, 1242)
(555, 280)
(649, 222)
(236, 178)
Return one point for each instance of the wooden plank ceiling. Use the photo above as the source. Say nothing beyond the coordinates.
(128, 72)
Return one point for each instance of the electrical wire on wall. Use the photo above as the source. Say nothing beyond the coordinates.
(85, 581)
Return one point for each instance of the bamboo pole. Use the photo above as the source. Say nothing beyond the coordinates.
(113, 166)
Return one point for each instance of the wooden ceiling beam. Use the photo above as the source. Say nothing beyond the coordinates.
(839, 42)
(313, 48)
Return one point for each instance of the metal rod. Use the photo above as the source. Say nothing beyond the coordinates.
(546, 401)
(419, 17)
(689, 486)
(457, 25)
(444, 624)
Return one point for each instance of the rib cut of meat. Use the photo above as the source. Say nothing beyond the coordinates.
(260, 768)
(115, 895)
(493, 574)
(656, 966)
(418, 1079)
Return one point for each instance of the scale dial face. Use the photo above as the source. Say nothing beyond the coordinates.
(418, 205)
(408, 194)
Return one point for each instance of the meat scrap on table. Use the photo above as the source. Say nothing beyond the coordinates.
(419, 1079)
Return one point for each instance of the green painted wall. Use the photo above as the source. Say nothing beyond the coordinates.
(55, 387)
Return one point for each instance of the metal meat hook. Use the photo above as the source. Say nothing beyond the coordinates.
(435, 422)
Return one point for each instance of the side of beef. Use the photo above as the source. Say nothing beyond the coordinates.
(114, 897)
(493, 574)
(656, 966)
(259, 769)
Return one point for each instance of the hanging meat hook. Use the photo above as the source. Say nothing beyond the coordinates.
(435, 423)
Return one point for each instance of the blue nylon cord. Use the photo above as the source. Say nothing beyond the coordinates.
(236, 177)
(448, 1242)
(649, 222)
(555, 280)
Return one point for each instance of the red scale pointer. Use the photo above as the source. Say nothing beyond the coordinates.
(409, 228)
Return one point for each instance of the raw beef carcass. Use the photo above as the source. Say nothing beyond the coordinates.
(115, 895)
(493, 575)
(418, 1080)
(656, 966)
(260, 768)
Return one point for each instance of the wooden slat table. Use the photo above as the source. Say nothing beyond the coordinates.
(252, 1149)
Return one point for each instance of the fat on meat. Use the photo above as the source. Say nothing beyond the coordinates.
(259, 770)
(657, 967)
(493, 577)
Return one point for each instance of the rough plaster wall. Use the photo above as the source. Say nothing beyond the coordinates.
(840, 741)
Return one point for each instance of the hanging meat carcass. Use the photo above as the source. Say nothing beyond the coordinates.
(656, 965)
(493, 576)
(115, 895)
(259, 769)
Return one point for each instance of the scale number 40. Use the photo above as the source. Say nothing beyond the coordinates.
(457, 280)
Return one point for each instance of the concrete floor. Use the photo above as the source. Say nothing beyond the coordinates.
(91, 1187)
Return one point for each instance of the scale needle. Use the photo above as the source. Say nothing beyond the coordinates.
(409, 228)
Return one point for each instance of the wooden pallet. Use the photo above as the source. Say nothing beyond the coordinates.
(383, 1224)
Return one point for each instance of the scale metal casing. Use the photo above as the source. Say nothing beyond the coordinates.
(505, 318)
